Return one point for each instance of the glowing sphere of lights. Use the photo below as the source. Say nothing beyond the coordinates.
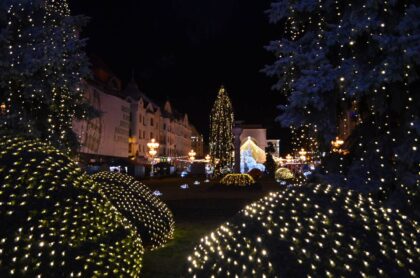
(54, 223)
(237, 180)
(284, 174)
(311, 231)
(148, 214)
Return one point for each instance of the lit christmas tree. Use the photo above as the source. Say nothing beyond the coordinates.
(42, 64)
(350, 69)
(221, 137)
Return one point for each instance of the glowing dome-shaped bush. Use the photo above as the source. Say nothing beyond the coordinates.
(237, 180)
(53, 221)
(151, 217)
(284, 174)
(311, 232)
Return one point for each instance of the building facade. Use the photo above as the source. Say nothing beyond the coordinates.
(103, 140)
(168, 127)
(197, 142)
(128, 121)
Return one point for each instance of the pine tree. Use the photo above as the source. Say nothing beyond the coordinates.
(356, 61)
(221, 137)
(42, 64)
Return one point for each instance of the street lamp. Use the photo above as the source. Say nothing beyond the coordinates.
(337, 143)
(192, 155)
(152, 145)
(302, 154)
(336, 146)
(2, 108)
(288, 158)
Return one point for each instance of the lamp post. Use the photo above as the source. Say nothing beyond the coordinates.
(2, 108)
(336, 146)
(288, 158)
(192, 155)
(302, 154)
(152, 145)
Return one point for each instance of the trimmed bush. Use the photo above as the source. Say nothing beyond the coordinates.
(284, 174)
(237, 180)
(255, 173)
(54, 221)
(151, 217)
(316, 231)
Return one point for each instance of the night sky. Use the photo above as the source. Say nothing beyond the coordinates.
(184, 50)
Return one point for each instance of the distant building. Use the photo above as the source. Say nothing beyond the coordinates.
(197, 142)
(128, 121)
(149, 121)
(104, 139)
(258, 134)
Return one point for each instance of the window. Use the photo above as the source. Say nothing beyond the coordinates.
(164, 126)
(144, 134)
(151, 121)
(139, 134)
(140, 118)
(151, 135)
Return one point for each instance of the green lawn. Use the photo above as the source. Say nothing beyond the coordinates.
(197, 211)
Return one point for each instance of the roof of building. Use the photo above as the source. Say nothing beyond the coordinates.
(103, 77)
(132, 90)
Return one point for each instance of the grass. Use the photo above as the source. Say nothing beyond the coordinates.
(170, 260)
(197, 211)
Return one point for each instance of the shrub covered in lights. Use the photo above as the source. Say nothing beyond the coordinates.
(237, 180)
(151, 217)
(284, 174)
(313, 231)
(53, 220)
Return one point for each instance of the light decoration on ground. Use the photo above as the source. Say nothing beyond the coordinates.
(55, 222)
(284, 174)
(237, 180)
(311, 231)
(147, 213)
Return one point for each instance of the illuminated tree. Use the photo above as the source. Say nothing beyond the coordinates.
(353, 66)
(42, 64)
(221, 137)
(55, 221)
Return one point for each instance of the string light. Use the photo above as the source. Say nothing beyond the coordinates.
(146, 212)
(237, 180)
(311, 231)
(221, 137)
(42, 71)
(55, 221)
